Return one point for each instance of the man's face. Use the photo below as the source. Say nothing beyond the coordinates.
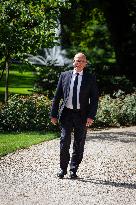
(79, 62)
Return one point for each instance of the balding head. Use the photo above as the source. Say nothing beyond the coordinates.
(79, 62)
(81, 55)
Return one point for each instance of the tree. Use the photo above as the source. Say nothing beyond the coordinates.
(26, 26)
(87, 32)
(120, 23)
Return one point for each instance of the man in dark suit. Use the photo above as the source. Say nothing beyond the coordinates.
(79, 92)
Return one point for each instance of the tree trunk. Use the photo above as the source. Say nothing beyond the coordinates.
(6, 81)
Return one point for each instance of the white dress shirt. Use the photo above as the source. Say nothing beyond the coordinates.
(69, 103)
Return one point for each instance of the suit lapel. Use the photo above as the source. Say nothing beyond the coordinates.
(84, 81)
(68, 81)
(83, 84)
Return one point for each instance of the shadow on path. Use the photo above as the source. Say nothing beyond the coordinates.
(110, 183)
(125, 137)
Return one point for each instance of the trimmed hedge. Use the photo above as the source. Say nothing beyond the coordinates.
(26, 113)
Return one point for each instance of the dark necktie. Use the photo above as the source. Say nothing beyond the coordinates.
(74, 99)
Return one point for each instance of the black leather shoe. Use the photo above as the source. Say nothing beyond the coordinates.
(73, 175)
(61, 174)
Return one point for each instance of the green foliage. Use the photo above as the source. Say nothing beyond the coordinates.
(106, 32)
(26, 113)
(32, 113)
(128, 110)
(116, 111)
(107, 112)
(26, 26)
(88, 32)
(47, 78)
(95, 39)
(110, 83)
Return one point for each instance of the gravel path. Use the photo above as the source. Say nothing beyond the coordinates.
(107, 175)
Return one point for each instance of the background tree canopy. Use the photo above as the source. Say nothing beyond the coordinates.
(25, 27)
(106, 31)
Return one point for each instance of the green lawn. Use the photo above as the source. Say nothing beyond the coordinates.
(19, 83)
(11, 142)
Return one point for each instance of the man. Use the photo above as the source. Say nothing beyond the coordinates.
(79, 92)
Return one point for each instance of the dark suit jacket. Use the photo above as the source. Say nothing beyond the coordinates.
(88, 96)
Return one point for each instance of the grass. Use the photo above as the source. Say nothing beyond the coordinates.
(19, 83)
(10, 142)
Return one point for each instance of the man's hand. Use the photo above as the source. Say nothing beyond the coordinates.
(89, 122)
(54, 120)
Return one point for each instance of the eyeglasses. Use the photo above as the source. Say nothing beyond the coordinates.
(79, 61)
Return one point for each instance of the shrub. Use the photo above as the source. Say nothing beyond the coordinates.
(26, 113)
(46, 79)
(116, 111)
(107, 112)
(127, 114)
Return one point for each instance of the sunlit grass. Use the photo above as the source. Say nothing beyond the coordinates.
(17, 90)
(11, 142)
(19, 83)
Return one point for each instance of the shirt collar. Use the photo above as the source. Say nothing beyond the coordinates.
(80, 73)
